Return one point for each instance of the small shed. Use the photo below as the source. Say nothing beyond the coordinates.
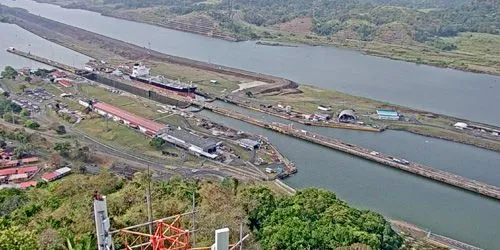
(388, 114)
(347, 116)
(320, 117)
(324, 108)
(249, 144)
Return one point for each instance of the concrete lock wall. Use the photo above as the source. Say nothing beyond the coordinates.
(149, 94)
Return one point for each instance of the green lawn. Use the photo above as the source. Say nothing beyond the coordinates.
(311, 97)
(119, 135)
(478, 43)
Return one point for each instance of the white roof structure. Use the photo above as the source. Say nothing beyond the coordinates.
(249, 142)
(17, 177)
(63, 171)
(460, 125)
(324, 108)
(347, 112)
(8, 186)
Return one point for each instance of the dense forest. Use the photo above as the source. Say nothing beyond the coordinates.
(51, 216)
(422, 20)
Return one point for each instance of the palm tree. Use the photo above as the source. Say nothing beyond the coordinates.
(22, 87)
(85, 243)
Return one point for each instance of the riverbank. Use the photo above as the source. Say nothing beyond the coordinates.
(276, 90)
(473, 52)
(469, 59)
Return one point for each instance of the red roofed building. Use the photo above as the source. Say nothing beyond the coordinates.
(65, 82)
(27, 184)
(50, 176)
(146, 126)
(8, 171)
(27, 170)
(11, 163)
(30, 160)
(6, 155)
(58, 74)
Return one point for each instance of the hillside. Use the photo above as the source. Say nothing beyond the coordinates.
(422, 31)
(53, 214)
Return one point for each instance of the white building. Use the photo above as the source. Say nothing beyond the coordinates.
(460, 125)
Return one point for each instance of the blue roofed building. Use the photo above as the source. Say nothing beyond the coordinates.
(388, 114)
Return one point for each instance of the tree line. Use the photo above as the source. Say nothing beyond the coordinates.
(59, 213)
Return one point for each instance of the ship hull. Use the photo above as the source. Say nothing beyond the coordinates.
(165, 86)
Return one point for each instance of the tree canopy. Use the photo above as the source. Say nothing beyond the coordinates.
(9, 72)
(60, 212)
(31, 124)
(63, 148)
(315, 219)
(367, 20)
(157, 142)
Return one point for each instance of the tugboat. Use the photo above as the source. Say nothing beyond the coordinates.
(141, 73)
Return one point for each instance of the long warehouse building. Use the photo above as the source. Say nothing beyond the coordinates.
(146, 126)
(199, 145)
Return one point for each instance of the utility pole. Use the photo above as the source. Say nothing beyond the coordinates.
(241, 235)
(193, 226)
(148, 201)
(102, 222)
(106, 118)
(230, 10)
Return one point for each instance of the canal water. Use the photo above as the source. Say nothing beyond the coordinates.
(469, 161)
(467, 95)
(395, 194)
(14, 36)
(445, 210)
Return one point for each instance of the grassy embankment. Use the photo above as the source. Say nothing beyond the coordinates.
(475, 51)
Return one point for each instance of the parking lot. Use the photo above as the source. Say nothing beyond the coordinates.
(31, 99)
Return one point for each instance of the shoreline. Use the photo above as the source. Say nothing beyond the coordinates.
(291, 43)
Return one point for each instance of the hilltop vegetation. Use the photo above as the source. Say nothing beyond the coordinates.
(423, 20)
(51, 214)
